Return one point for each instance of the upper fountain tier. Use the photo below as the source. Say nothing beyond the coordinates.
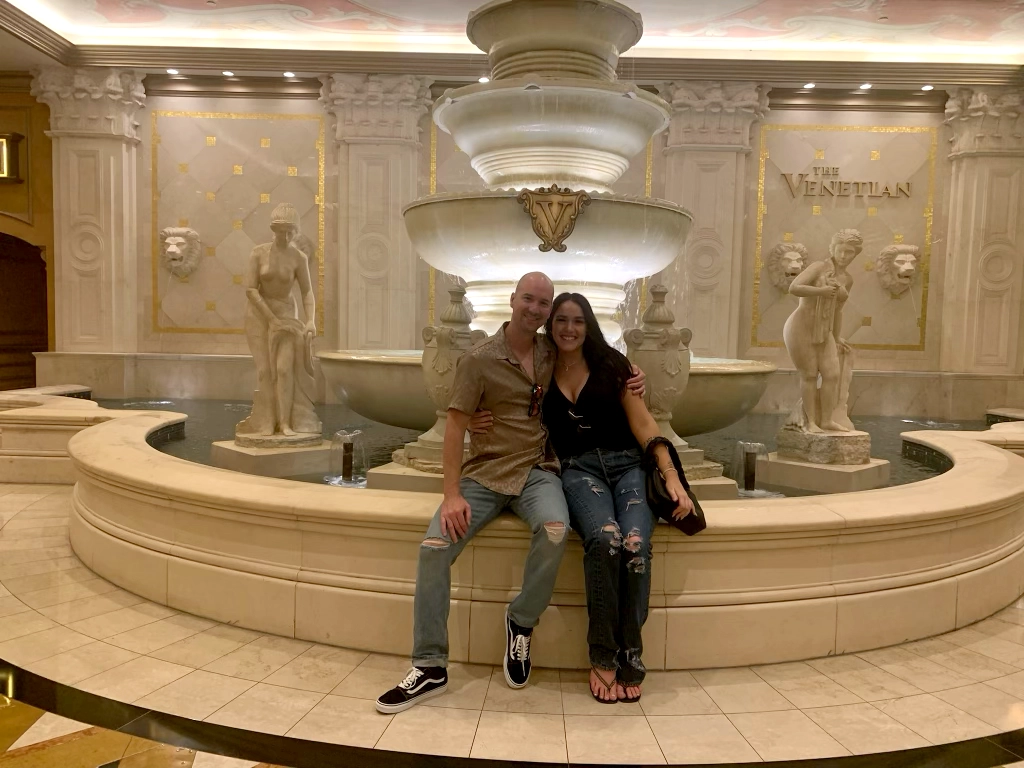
(554, 111)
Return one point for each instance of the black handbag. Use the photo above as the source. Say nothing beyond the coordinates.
(658, 498)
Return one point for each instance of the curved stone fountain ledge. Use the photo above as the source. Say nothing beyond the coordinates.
(387, 386)
(768, 581)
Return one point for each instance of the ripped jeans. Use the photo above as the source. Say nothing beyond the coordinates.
(541, 506)
(608, 509)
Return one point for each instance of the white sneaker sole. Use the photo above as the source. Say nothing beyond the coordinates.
(390, 709)
(504, 663)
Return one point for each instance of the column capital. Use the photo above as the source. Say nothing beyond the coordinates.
(712, 114)
(91, 102)
(376, 108)
(986, 122)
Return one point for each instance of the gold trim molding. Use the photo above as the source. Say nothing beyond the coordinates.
(927, 213)
(321, 143)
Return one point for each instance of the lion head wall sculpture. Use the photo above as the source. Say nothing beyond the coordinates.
(785, 262)
(179, 250)
(896, 267)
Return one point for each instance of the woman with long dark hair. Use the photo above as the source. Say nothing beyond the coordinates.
(599, 432)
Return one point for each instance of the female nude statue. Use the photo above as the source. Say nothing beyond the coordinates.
(280, 343)
(813, 340)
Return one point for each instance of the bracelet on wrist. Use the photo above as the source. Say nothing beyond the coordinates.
(670, 469)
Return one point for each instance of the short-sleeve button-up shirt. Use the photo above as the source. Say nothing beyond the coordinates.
(490, 377)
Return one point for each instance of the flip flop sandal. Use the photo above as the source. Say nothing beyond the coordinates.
(627, 699)
(608, 686)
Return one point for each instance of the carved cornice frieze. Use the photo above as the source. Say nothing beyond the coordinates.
(709, 113)
(986, 122)
(376, 107)
(99, 102)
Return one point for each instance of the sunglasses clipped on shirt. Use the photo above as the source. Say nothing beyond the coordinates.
(535, 398)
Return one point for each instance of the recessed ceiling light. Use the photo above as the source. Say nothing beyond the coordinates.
(226, 73)
(865, 86)
(808, 85)
(485, 79)
(289, 74)
(172, 71)
(927, 87)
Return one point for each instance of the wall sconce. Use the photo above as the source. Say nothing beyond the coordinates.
(10, 154)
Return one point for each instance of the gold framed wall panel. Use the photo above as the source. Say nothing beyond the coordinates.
(928, 214)
(319, 203)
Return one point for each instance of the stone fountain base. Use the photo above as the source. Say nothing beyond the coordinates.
(787, 476)
(282, 461)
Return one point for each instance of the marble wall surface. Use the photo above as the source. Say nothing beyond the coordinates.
(219, 167)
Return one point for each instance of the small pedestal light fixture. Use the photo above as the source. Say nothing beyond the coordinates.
(10, 153)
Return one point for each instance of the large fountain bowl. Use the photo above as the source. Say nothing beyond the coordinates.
(387, 386)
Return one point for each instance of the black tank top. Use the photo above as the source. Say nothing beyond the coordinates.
(596, 420)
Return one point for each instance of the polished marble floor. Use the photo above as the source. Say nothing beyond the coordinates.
(62, 623)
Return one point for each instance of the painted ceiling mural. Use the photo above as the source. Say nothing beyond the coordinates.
(677, 25)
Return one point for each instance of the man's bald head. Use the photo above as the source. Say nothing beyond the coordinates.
(537, 283)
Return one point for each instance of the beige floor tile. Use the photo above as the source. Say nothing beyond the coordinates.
(79, 664)
(1012, 615)
(67, 613)
(786, 736)
(609, 739)
(675, 693)
(467, 687)
(543, 696)
(130, 682)
(21, 624)
(10, 605)
(65, 593)
(321, 669)
(997, 648)
(431, 731)
(38, 543)
(109, 624)
(206, 760)
(1011, 684)
(4, 592)
(918, 671)
(578, 700)
(999, 629)
(863, 729)
(25, 521)
(196, 695)
(740, 690)
(377, 674)
(258, 659)
(963, 661)
(19, 557)
(41, 645)
(39, 566)
(11, 533)
(862, 678)
(934, 719)
(341, 720)
(520, 736)
(701, 739)
(206, 647)
(159, 634)
(805, 686)
(986, 703)
(47, 727)
(266, 708)
(22, 584)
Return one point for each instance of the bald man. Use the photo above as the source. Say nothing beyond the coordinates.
(509, 467)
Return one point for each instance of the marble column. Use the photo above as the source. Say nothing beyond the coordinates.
(982, 317)
(377, 130)
(705, 171)
(95, 156)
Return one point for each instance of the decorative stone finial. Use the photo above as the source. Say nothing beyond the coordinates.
(102, 102)
(369, 107)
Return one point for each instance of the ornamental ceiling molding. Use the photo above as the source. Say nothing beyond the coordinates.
(37, 35)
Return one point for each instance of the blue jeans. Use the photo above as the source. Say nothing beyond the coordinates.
(542, 507)
(608, 509)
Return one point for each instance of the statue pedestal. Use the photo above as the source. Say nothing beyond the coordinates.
(842, 448)
(776, 473)
(396, 477)
(272, 462)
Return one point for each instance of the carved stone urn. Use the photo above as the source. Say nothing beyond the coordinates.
(662, 352)
(444, 345)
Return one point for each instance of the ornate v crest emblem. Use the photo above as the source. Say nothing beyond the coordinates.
(554, 211)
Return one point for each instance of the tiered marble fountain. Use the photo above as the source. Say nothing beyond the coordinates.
(549, 134)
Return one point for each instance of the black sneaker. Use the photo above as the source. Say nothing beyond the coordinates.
(517, 653)
(421, 683)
